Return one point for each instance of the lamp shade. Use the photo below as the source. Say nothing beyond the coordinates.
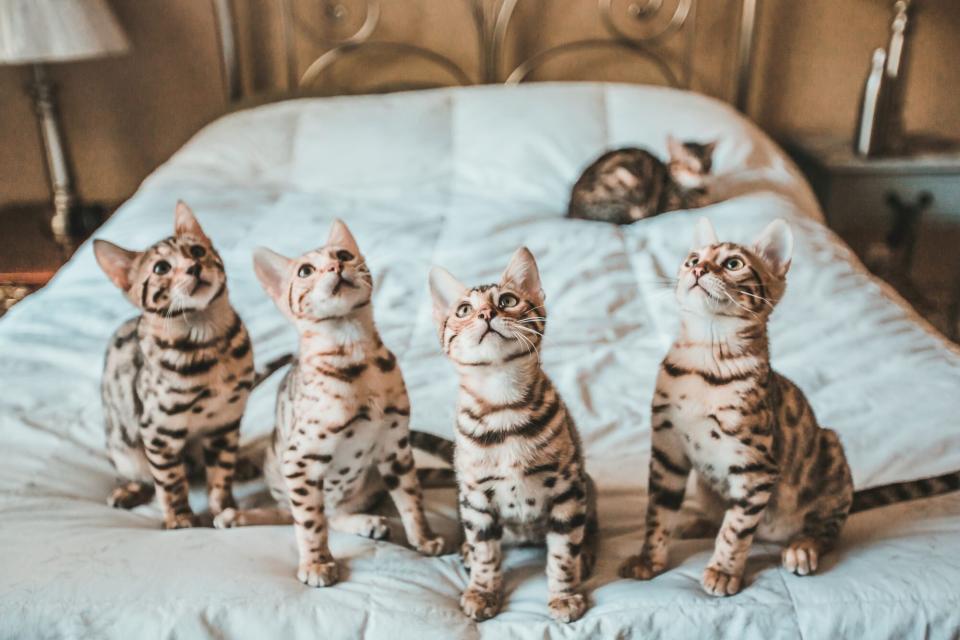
(58, 31)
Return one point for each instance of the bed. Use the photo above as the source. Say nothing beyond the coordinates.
(460, 178)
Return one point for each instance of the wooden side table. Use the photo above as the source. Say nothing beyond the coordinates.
(29, 256)
(901, 215)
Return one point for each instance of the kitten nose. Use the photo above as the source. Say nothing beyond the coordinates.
(336, 267)
(486, 313)
(194, 270)
(698, 271)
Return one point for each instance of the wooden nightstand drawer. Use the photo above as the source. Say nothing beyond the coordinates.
(29, 256)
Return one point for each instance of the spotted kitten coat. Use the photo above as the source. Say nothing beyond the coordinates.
(342, 416)
(764, 467)
(518, 459)
(176, 377)
(630, 184)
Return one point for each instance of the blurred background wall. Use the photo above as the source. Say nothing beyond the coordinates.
(124, 116)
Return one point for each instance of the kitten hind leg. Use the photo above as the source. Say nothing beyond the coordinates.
(131, 494)
(361, 524)
(820, 531)
(229, 518)
(823, 522)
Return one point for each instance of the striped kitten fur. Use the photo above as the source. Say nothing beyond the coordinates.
(630, 184)
(518, 459)
(342, 415)
(177, 377)
(763, 466)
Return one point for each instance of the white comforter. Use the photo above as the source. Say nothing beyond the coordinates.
(461, 178)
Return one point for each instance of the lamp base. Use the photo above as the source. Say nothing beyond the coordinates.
(58, 167)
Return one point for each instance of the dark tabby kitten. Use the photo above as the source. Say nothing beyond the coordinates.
(630, 184)
(176, 377)
(518, 460)
(764, 466)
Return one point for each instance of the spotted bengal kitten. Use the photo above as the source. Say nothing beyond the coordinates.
(764, 467)
(518, 459)
(342, 415)
(630, 184)
(177, 376)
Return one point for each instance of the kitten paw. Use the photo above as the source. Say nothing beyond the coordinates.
(220, 504)
(130, 495)
(431, 546)
(227, 519)
(640, 567)
(801, 557)
(180, 521)
(718, 583)
(375, 528)
(567, 607)
(318, 574)
(480, 605)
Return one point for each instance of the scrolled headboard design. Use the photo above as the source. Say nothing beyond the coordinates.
(656, 33)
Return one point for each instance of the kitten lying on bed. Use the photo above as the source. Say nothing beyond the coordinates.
(176, 377)
(518, 457)
(342, 416)
(626, 185)
(764, 466)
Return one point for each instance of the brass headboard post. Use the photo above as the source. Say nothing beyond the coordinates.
(745, 43)
(229, 61)
(658, 20)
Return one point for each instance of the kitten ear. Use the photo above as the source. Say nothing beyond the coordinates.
(775, 246)
(710, 147)
(340, 236)
(445, 290)
(185, 222)
(523, 274)
(675, 148)
(704, 234)
(115, 262)
(271, 269)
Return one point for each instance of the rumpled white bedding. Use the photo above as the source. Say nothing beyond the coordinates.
(461, 178)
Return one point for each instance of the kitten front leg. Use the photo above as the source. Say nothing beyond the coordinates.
(220, 458)
(305, 488)
(565, 537)
(669, 469)
(400, 477)
(482, 529)
(163, 448)
(750, 488)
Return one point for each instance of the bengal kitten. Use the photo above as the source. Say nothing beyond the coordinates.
(177, 376)
(764, 467)
(518, 460)
(342, 414)
(630, 184)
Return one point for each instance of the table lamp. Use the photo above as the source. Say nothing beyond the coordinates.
(38, 32)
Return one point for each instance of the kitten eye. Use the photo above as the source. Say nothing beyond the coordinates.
(344, 256)
(507, 300)
(305, 270)
(161, 267)
(197, 251)
(464, 310)
(693, 261)
(733, 264)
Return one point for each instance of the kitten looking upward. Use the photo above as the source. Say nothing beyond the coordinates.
(518, 459)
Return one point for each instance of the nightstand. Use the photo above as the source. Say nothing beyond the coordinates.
(901, 215)
(29, 256)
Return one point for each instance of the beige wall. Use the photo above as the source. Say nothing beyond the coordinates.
(124, 116)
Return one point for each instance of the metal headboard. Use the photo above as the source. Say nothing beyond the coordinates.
(668, 23)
